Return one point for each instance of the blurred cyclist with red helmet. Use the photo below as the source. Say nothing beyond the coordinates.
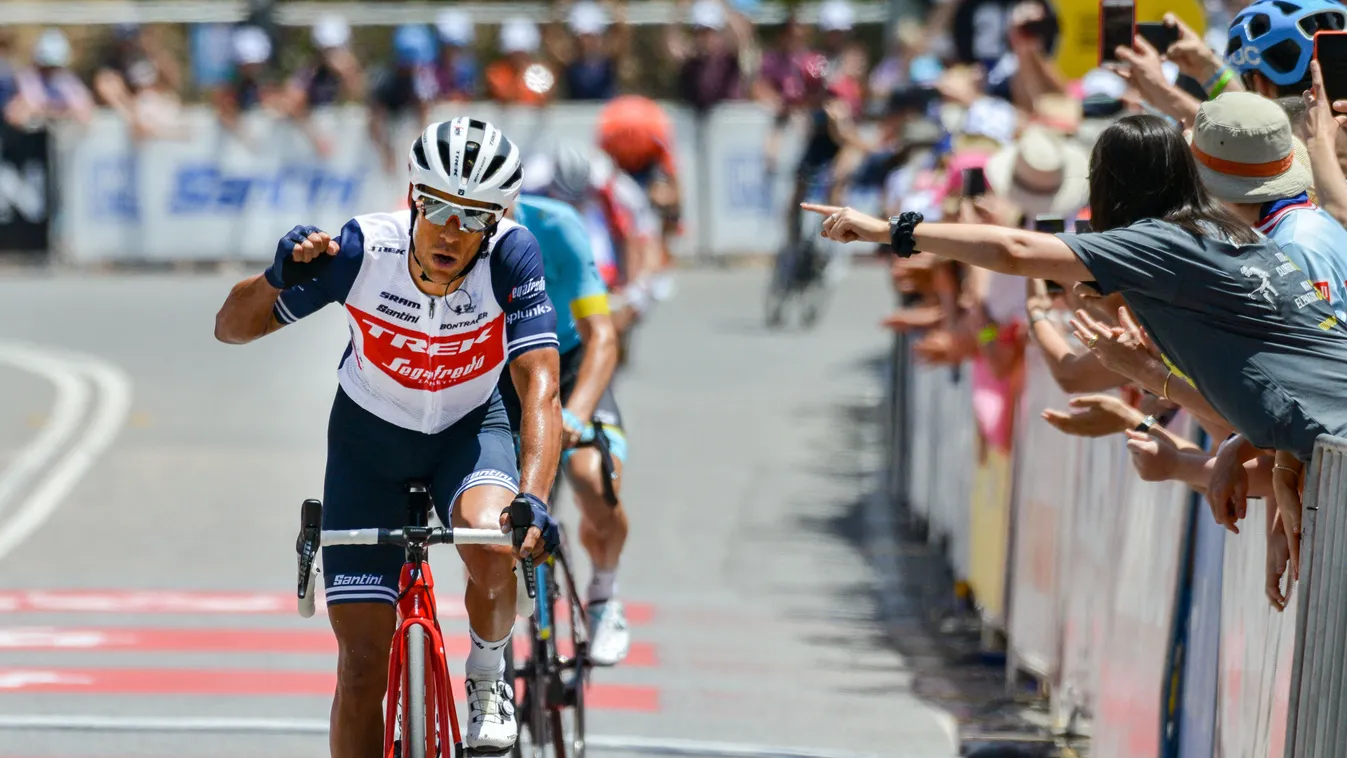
(638, 135)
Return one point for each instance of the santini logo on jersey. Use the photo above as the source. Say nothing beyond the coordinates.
(418, 361)
(528, 288)
(399, 315)
(528, 313)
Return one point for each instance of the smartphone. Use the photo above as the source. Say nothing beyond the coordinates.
(1117, 25)
(1330, 49)
(1049, 224)
(1082, 225)
(974, 182)
(1159, 34)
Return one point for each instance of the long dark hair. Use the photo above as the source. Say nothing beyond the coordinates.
(1142, 168)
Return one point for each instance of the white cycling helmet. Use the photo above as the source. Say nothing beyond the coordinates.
(470, 159)
(572, 177)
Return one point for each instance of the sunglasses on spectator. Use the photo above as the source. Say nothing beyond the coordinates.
(438, 211)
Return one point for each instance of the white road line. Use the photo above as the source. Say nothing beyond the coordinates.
(109, 415)
(647, 745)
(72, 398)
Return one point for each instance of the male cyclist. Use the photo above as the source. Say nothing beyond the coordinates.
(438, 300)
(636, 132)
(623, 227)
(1271, 43)
(588, 344)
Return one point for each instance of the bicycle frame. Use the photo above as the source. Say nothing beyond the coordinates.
(416, 607)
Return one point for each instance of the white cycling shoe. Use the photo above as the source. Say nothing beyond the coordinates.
(609, 639)
(492, 728)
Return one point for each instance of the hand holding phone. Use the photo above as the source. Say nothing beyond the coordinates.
(1330, 49)
(974, 182)
(1049, 223)
(1159, 34)
(1117, 27)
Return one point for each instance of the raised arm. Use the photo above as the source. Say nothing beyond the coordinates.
(311, 269)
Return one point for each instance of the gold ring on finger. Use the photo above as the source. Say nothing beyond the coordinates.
(1090, 343)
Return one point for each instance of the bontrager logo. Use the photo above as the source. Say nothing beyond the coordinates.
(1246, 55)
(466, 322)
(528, 288)
(399, 315)
(404, 302)
(342, 580)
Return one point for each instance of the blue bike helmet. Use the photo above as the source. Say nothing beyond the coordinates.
(413, 45)
(1276, 37)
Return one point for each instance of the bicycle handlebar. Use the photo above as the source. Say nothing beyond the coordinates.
(312, 537)
(415, 535)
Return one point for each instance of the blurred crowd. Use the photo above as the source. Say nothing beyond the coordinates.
(586, 52)
(1166, 232)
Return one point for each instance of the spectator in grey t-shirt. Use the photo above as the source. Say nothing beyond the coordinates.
(1233, 313)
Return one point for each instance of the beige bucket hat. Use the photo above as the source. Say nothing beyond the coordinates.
(1246, 151)
(1042, 172)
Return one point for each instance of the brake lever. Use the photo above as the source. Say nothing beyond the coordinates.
(521, 513)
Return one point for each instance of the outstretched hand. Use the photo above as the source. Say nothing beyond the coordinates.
(848, 224)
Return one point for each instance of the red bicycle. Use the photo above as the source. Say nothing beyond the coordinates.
(420, 711)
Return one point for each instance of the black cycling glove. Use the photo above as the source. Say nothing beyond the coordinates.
(285, 272)
(529, 510)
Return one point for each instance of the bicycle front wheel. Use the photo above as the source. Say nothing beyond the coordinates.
(414, 716)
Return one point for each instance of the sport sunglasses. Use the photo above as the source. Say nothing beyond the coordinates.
(438, 212)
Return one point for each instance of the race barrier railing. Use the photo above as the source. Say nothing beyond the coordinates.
(234, 193)
(1136, 610)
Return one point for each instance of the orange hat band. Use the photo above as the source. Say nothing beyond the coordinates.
(1234, 168)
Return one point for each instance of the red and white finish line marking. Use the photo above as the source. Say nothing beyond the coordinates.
(191, 603)
(100, 681)
(318, 641)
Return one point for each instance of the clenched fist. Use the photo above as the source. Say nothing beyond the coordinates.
(300, 256)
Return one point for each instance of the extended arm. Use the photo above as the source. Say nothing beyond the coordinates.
(535, 376)
(1008, 251)
(596, 367)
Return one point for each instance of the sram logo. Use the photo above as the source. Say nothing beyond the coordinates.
(419, 361)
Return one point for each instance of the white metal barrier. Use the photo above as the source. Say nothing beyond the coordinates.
(1318, 705)
(1098, 559)
(214, 195)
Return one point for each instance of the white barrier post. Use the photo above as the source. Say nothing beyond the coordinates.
(1317, 712)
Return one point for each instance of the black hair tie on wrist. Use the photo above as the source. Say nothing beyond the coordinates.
(901, 233)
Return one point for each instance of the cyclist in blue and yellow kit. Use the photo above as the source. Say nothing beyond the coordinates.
(588, 345)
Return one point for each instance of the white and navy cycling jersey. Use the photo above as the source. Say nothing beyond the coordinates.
(424, 361)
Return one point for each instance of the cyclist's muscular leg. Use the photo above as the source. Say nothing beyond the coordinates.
(490, 596)
(603, 531)
(364, 632)
(603, 527)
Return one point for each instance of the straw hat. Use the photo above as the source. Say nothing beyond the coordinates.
(1041, 173)
(1245, 150)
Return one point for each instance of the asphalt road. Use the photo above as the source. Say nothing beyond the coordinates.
(149, 488)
